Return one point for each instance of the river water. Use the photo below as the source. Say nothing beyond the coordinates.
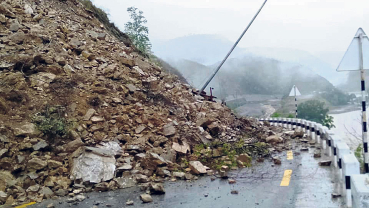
(348, 127)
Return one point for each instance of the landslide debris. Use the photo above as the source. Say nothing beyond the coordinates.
(81, 110)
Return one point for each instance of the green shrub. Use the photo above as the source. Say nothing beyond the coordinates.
(275, 115)
(359, 156)
(51, 123)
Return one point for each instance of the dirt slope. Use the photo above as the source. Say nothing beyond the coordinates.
(80, 110)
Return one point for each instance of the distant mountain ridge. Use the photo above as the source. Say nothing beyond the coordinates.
(210, 49)
(252, 75)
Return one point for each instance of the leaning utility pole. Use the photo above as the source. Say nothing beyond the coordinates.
(234, 46)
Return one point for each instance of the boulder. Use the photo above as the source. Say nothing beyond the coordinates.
(28, 129)
(140, 129)
(157, 188)
(52, 164)
(36, 164)
(157, 160)
(94, 165)
(277, 160)
(180, 175)
(3, 152)
(317, 154)
(73, 145)
(298, 134)
(2, 18)
(142, 178)
(97, 119)
(3, 197)
(169, 129)
(274, 139)
(15, 26)
(46, 192)
(5, 178)
(231, 181)
(197, 167)
(146, 198)
(90, 112)
(325, 163)
(184, 148)
(214, 128)
(244, 158)
(40, 145)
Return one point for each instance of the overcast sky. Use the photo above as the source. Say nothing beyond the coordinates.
(310, 25)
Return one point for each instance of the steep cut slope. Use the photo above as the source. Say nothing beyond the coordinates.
(81, 110)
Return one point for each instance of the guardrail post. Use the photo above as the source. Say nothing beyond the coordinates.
(318, 130)
(324, 137)
(307, 128)
(298, 124)
(334, 141)
(312, 131)
(350, 166)
(342, 149)
(303, 125)
(360, 191)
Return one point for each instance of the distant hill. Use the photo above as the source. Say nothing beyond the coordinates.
(210, 49)
(253, 75)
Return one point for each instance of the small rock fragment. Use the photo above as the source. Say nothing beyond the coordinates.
(277, 160)
(336, 195)
(129, 202)
(234, 192)
(197, 167)
(146, 198)
(231, 181)
(325, 163)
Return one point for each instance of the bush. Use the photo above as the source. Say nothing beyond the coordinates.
(314, 110)
(51, 123)
(275, 115)
(53, 127)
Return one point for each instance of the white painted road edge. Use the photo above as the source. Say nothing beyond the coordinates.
(354, 186)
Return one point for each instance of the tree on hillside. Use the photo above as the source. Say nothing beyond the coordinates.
(314, 110)
(137, 31)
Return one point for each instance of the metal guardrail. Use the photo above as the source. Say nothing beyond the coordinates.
(352, 184)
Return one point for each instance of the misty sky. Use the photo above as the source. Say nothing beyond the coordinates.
(310, 25)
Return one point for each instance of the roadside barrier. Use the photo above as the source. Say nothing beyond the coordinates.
(352, 185)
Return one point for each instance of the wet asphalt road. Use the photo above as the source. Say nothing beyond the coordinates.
(259, 186)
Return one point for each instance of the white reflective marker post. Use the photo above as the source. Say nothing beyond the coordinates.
(295, 92)
(356, 58)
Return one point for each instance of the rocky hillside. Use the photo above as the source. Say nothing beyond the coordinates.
(81, 110)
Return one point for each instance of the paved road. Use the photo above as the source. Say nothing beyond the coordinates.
(310, 187)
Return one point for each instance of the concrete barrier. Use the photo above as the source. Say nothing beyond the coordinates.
(342, 149)
(307, 126)
(351, 184)
(289, 123)
(350, 167)
(360, 190)
(303, 127)
(312, 131)
(334, 141)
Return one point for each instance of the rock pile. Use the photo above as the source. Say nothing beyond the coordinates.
(82, 111)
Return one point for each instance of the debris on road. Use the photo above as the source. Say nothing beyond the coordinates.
(277, 160)
(325, 163)
(231, 181)
(146, 198)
